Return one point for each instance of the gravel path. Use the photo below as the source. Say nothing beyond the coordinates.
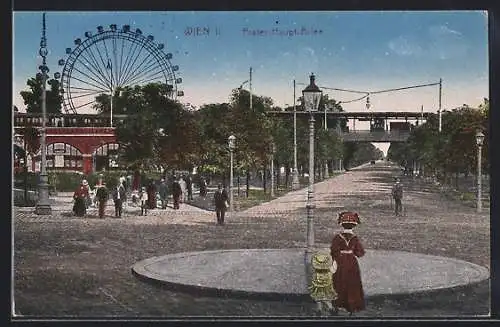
(68, 266)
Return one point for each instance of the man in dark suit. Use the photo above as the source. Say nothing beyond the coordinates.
(221, 202)
(119, 196)
(176, 192)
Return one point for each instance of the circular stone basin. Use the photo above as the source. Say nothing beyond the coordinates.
(280, 273)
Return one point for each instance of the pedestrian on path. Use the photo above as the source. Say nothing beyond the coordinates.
(163, 192)
(176, 192)
(397, 195)
(119, 197)
(189, 187)
(143, 198)
(203, 187)
(221, 202)
(80, 196)
(345, 250)
(102, 197)
(183, 184)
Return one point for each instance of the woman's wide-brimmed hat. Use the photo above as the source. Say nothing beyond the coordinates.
(85, 183)
(349, 217)
(321, 261)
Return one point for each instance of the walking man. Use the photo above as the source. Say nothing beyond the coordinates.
(176, 192)
(119, 197)
(397, 195)
(221, 202)
(189, 186)
(102, 197)
(163, 190)
(144, 201)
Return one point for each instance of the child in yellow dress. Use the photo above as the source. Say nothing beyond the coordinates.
(321, 288)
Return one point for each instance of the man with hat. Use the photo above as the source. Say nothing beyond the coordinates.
(397, 195)
(102, 196)
(321, 288)
(345, 249)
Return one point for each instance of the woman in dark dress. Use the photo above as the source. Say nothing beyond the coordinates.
(80, 196)
(345, 249)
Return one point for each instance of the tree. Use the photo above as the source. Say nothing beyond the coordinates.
(453, 151)
(33, 98)
(157, 131)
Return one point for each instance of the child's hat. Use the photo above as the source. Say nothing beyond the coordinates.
(321, 261)
(349, 217)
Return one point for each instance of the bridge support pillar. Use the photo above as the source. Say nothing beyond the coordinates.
(87, 164)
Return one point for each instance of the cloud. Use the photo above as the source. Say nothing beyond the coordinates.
(441, 42)
(404, 47)
(443, 30)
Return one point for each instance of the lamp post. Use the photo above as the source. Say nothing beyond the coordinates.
(326, 130)
(312, 96)
(295, 173)
(479, 142)
(232, 145)
(43, 204)
(273, 151)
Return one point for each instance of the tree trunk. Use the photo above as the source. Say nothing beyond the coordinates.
(287, 174)
(248, 183)
(278, 175)
(264, 178)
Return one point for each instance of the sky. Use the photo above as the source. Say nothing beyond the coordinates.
(365, 51)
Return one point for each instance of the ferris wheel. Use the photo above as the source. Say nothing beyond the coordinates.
(111, 60)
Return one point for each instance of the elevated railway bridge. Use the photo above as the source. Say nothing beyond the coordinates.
(85, 142)
(388, 126)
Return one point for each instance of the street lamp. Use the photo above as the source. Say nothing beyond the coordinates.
(232, 145)
(43, 204)
(273, 151)
(326, 130)
(312, 96)
(479, 142)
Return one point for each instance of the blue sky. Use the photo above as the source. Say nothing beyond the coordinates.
(365, 51)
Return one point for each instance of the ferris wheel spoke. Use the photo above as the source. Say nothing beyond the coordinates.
(121, 62)
(85, 82)
(149, 78)
(105, 64)
(133, 74)
(86, 94)
(94, 72)
(128, 60)
(98, 66)
(135, 60)
(109, 63)
(89, 77)
(116, 60)
(144, 73)
(85, 104)
(86, 89)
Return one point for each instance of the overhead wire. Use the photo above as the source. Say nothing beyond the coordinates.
(367, 94)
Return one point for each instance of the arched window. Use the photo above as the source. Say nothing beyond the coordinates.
(106, 156)
(63, 155)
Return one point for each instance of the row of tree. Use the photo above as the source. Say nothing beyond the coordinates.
(160, 132)
(453, 151)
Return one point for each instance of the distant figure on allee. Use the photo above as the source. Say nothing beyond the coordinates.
(397, 195)
(176, 192)
(163, 191)
(119, 197)
(221, 202)
(80, 196)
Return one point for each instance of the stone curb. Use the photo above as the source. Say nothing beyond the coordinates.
(139, 270)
